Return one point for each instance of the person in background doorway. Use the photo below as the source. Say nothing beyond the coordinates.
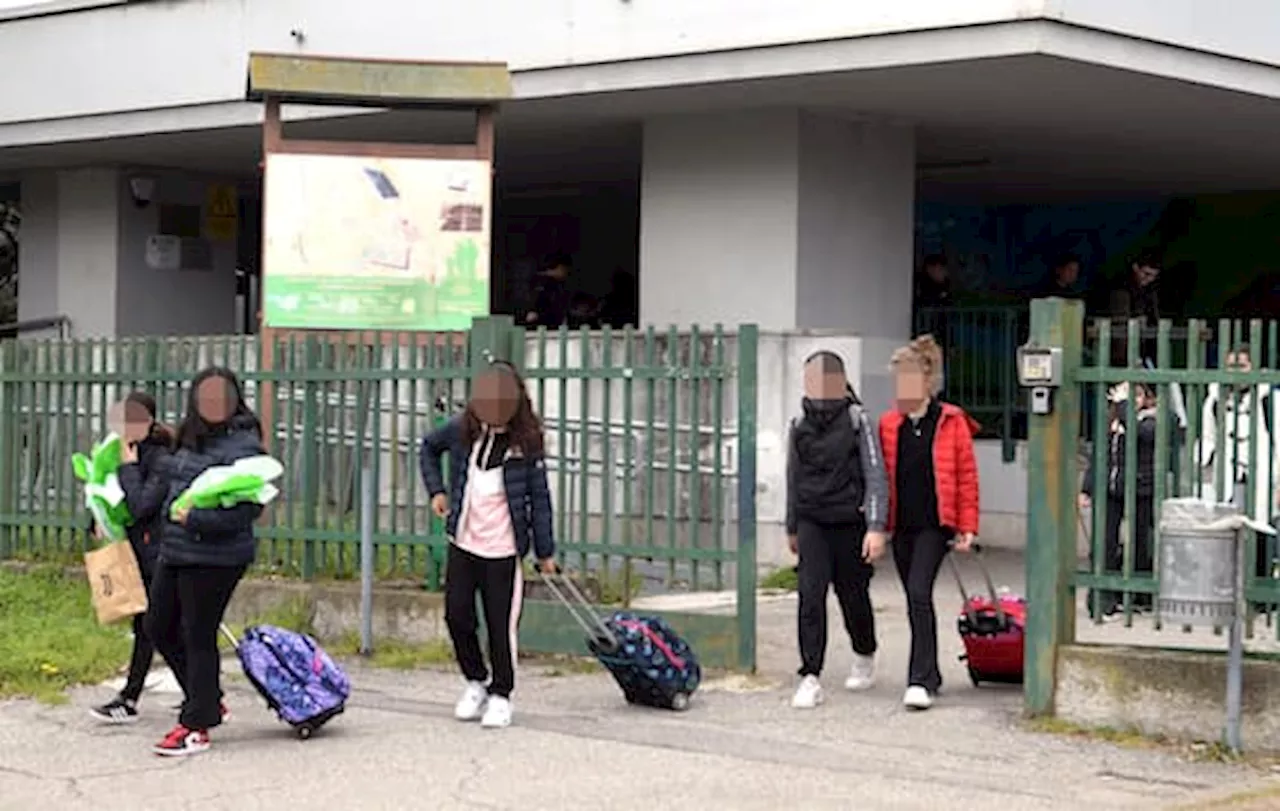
(933, 284)
(932, 296)
(203, 555)
(1063, 280)
(146, 448)
(1239, 410)
(837, 504)
(620, 308)
(933, 498)
(583, 311)
(551, 294)
(497, 508)
(1144, 400)
(1137, 296)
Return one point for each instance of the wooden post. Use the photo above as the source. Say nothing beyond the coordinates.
(1052, 487)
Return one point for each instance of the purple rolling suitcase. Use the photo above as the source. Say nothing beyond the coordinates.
(303, 686)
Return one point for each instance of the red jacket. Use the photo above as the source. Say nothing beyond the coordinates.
(954, 467)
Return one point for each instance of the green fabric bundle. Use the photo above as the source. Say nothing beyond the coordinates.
(103, 494)
(246, 481)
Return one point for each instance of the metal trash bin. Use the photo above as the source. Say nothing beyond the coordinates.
(1197, 563)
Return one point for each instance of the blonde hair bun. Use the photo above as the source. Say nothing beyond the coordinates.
(924, 353)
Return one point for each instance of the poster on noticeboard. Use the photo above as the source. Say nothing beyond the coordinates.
(375, 243)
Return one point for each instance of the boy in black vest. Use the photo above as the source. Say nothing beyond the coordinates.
(837, 504)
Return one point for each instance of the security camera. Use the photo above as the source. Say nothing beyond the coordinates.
(143, 190)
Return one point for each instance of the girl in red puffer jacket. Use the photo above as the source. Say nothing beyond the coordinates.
(933, 497)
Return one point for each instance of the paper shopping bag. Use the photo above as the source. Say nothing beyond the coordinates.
(116, 582)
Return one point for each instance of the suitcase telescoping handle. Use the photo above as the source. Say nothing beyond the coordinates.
(976, 549)
(569, 595)
(235, 643)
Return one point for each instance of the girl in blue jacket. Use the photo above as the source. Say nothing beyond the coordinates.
(496, 508)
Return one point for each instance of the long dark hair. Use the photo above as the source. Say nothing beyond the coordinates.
(160, 433)
(524, 428)
(194, 430)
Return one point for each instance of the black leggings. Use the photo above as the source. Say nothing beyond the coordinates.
(187, 605)
(918, 554)
(500, 583)
(144, 650)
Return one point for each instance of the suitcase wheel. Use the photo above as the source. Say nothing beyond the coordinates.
(974, 677)
(680, 702)
(304, 732)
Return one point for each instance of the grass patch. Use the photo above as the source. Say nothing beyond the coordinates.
(784, 579)
(1131, 738)
(393, 655)
(49, 637)
(558, 666)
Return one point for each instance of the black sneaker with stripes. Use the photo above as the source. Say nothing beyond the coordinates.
(119, 711)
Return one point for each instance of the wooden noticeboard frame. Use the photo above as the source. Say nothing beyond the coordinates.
(277, 79)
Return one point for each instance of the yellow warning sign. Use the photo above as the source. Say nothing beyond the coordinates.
(222, 215)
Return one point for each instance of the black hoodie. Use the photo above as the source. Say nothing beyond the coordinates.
(835, 470)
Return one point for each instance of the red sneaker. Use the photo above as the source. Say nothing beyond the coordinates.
(182, 741)
(224, 711)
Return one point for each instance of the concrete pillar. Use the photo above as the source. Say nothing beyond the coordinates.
(785, 218)
(68, 248)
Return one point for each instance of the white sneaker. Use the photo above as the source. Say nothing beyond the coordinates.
(498, 714)
(808, 694)
(917, 698)
(471, 706)
(863, 674)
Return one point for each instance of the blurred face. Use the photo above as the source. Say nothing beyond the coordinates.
(820, 385)
(936, 271)
(495, 396)
(1239, 362)
(215, 400)
(1068, 273)
(1145, 274)
(911, 387)
(130, 420)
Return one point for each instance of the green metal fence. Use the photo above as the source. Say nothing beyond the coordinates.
(979, 345)
(650, 442)
(1207, 433)
(1214, 429)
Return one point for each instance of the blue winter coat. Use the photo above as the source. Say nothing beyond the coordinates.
(524, 477)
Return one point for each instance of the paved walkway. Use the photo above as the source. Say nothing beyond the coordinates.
(577, 745)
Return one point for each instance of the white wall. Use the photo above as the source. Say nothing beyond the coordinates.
(145, 55)
(856, 238)
(171, 302)
(1248, 29)
(718, 225)
(67, 249)
(83, 255)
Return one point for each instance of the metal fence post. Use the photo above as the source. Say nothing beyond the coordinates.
(748, 379)
(311, 440)
(368, 506)
(1051, 506)
(10, 447)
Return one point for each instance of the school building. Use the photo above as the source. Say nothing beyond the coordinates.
(748, 161)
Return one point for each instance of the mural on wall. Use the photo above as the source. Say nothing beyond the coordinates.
(1221, 252)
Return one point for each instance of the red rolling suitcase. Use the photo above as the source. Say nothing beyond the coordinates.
(992, 627)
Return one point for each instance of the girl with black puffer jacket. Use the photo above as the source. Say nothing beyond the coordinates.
(203, 555)
(146, 447)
